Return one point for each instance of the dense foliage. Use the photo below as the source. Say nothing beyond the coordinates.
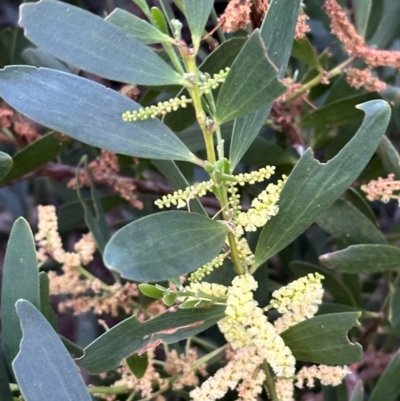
(264, 125)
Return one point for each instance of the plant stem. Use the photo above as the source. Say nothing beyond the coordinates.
(173, 57)
(239, 268)
(316, 80)
(201, 117)
(269, 381)
(90, 276)
(203, 343)
(220, 33)
(108, 390)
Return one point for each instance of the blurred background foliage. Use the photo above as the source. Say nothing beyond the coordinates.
(44, 162)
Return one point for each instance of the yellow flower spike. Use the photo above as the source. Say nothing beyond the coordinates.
(293, 296)
(208, 268)
(181, 197)
(297, 301)
(154, 111)
(242, 312)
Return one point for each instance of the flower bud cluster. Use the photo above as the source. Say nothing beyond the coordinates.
(216, 290)
(244, 251)
(327, 375)
(208, 268)
(243, 313)
(297, 301)
(154, 111)
(256, 176)
(181, 197)
(207, 83)
(262, 208)
(244, 363)
(254, 340)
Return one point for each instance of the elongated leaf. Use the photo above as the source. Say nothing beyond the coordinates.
(36, 155)
(197, 13)
(262, 152)
(88, 42)
(348, 225)
(277, 32)
(20, 280)
(170, 170)
(222, 57)
(138, 364)
(358, 392)
(39, 58)
(323, 339)
(388, 24)
(142, 4)
(388, 386)
(45, 306)
(71, 347)
(72, 214)
(87, 111)
(131, 336)
(362, 9)
(43, 368)
(357, 199)
(94, 214)
(364, 259)
(164, 245)
(313, 186)
(5, 391)
(335, 393)
(6, 163)
(137, 27)
(390, 157)
(304, 51)
(251, 84)
(394, 308)
(331, 282)
(341, 112)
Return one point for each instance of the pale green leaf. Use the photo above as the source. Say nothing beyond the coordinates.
(37, 154)
(197, 13)
(43, 367)
(88, 42)
(251, 83)
(364, 259)
(323, 339)
(362, 9)
(348, 225)
(388, 386)
(164, 245)
(390, 157)
(88, 112)
(312, 186)
(6, 164)
(20, 280)
(339, 113)
(131, 336)
(277, 32)
(358, 392)
(137, 27)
